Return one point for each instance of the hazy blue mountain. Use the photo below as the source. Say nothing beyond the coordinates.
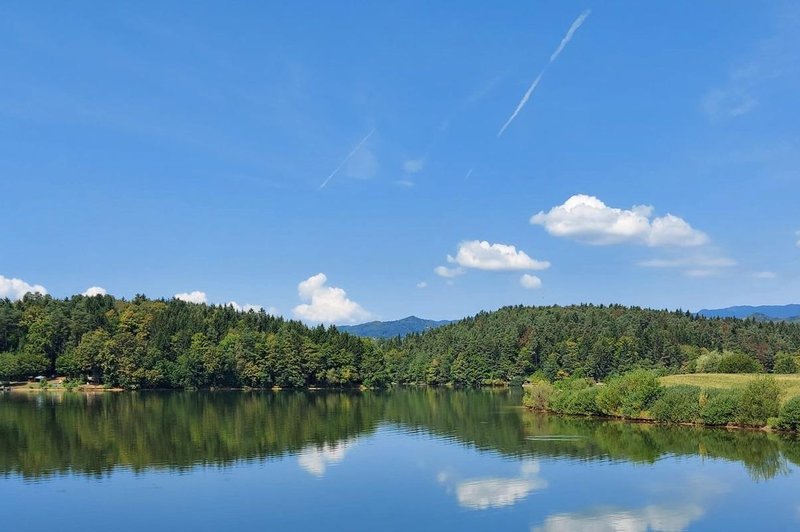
(389, 329)
(775, 312)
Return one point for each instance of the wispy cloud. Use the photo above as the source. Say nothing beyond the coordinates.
(412, 166)
(769, 65)
(448, 273)
(765, 275)
(567, 38)
(346, 159)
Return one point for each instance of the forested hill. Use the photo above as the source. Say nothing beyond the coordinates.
(146, 343)
(589, 340)
(389, 329)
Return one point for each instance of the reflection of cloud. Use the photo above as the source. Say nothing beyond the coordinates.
(316, 459)
(496, 492)
(654, 517)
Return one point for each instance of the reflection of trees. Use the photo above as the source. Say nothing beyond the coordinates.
(764, 455)
(42, 434)
(177, 430)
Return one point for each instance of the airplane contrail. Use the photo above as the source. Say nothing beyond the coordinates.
(349, 155)
(522, 102)
(570, 32)
(568, 37)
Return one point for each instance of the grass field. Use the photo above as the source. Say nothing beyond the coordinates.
(789, 383)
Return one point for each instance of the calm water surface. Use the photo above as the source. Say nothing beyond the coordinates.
(396, 460)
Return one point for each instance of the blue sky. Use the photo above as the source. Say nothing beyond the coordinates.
(164, 149)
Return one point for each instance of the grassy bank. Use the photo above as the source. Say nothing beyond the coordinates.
(752, 401)
(789, 384)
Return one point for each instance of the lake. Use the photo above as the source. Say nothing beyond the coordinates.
(405, 459)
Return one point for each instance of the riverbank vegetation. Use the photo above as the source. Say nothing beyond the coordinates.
(145, 343)
(756, 402)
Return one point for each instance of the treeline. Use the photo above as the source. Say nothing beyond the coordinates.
(590, 341)
(639, 395)
(146, 343)
(173, 344)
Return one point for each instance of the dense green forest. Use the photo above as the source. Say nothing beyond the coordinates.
(146, 343)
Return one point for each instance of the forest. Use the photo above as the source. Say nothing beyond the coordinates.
(146, 343)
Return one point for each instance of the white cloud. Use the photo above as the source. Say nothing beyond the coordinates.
(95, 291)
(192, 297)
(316, 459)
(587, 219)
(412, 166)
(17, 288)
(247, 307)
(326, 304)
(765, 275)
(448, 273)
(531, 282)
(482, 255)
(422, 284)
(654, 517)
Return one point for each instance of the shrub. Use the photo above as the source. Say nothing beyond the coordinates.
(708, 362)
(719, 407)
(677, 404)
(585, 401)
(789, 418)
(629, 394)
(785, 363)
(537, 395)
(760, 400)
(565, 396)
(738, 363)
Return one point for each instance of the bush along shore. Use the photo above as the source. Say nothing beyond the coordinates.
(638, 395)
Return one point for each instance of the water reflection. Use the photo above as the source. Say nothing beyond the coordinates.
(483, 493)
(653, 517)
(91, 435)
(316, 459)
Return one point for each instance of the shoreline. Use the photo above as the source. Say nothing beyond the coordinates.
(650, 421)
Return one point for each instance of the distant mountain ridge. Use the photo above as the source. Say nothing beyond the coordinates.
(390, 329)
(761, 312)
